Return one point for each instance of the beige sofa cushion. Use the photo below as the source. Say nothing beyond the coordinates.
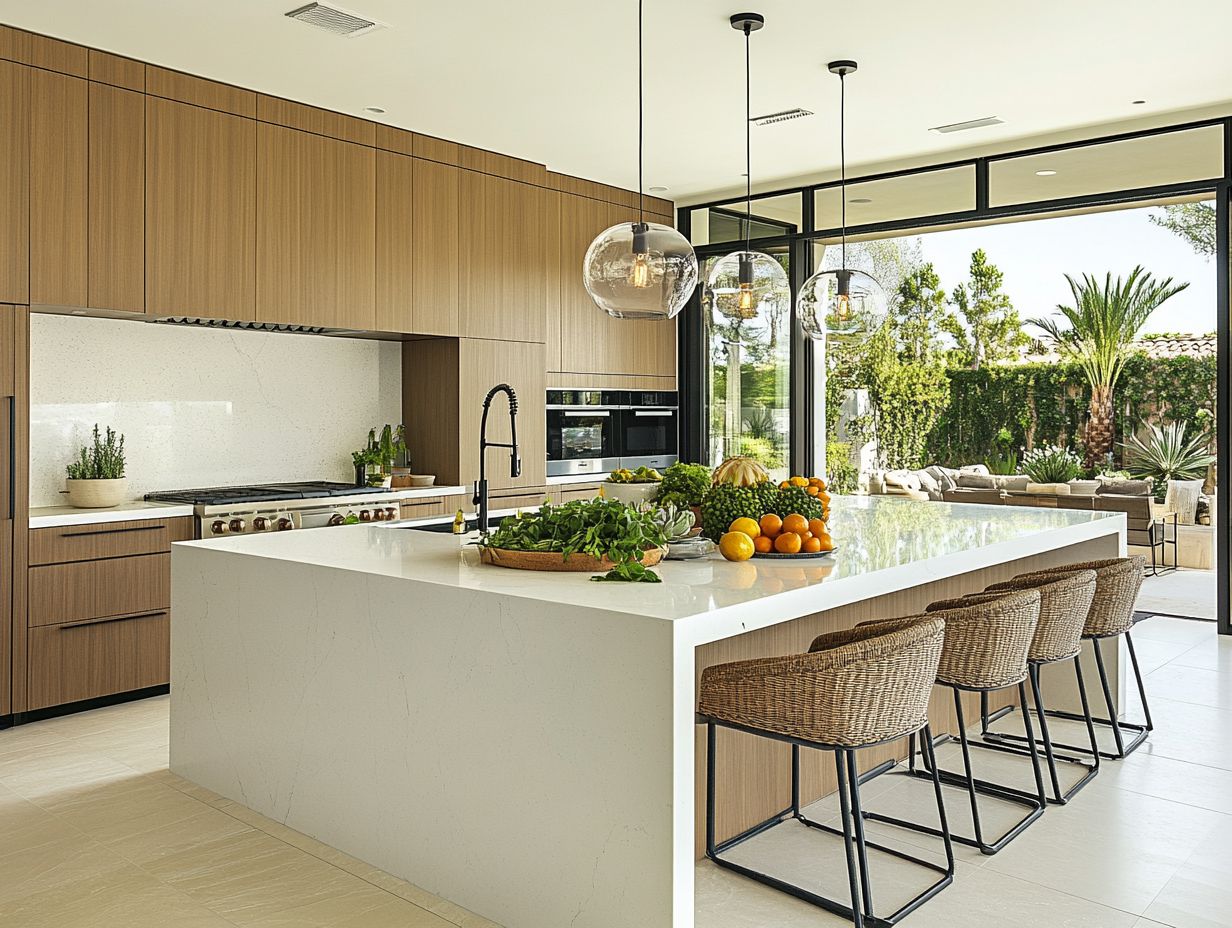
(1048, 489)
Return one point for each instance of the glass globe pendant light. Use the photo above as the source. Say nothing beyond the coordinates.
(843, 304)
(640, 270)
(743, 280)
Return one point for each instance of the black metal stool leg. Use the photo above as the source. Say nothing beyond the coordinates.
(1043, 720)
(857, 817)
(1133, 656)
(840, 762)
(1112, 710)
(946, 838)
(970, 778)
(1035, 759)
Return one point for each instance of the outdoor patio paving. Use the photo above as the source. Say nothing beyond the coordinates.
(1180, 592)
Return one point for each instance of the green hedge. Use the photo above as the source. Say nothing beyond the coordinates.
(1046, 404)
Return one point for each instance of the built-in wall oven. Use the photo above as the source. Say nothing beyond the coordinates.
(649, 429)
(597, 431)
(582, 431)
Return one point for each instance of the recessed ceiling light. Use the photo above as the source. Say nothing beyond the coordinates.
(374, 109)
(657, 189)
(1045, 173)
(1137, 102)
(859, 200)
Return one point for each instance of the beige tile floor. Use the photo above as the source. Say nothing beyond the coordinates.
(1180, 592)
(94, 831)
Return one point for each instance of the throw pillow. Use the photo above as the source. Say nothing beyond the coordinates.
(1182, 498)
(1124, 487)
(976, 482)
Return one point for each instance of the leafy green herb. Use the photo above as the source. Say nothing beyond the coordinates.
(104, 460)
(597, 527)
(684, 485)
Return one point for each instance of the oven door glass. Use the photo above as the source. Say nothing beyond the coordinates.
(581, 434)
(648, 433)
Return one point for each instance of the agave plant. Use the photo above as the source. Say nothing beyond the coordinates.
(1051, 464)
(1103, 323)
(1166, 455)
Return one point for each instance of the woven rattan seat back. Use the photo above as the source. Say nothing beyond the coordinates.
(986, 643)
(1065, 602)
(1117, 581)
(859, 686)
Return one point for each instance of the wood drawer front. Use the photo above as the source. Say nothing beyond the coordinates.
(520, 501)
(83, 661)
(110, 539)
(93, 589)
(419, 508)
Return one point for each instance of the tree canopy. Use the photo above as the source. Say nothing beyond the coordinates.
(993, 331)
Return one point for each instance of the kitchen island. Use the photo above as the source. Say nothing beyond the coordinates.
(523, 744)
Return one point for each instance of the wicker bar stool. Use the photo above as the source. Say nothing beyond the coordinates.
(1065, 600)
(854, 689)
(985, 650)
(1117, 582)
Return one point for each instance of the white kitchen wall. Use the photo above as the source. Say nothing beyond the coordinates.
(204, 407)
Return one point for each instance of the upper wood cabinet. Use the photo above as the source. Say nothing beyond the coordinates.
(316, 230)
(200, 200)
(436, 254)
(59, 178)
(590, 340)
(116, 237)
(504, 282)
(395, 252)
(14, 183)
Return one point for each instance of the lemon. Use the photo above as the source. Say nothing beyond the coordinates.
(736, 546)
(746, 525)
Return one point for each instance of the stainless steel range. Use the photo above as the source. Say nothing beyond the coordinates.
(281, 507)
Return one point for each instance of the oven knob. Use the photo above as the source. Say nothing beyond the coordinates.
(219, 527)
(260, 524)
(337, 519)
(391, 514)
(284, 525)
(236, 525)
(365, 515)
(378, 515)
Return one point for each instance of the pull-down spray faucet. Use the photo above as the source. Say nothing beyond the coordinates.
(515, 463)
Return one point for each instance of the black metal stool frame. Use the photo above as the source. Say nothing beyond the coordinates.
(860, 912)
(1012, 744)
(1035, 804)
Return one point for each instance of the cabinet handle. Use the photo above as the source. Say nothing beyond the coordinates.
(587, 415)
(641, 413)
(114, 531)
(112, 618)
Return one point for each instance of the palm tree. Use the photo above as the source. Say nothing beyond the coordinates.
(1103, 323)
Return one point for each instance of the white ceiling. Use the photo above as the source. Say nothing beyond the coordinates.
(554, 80)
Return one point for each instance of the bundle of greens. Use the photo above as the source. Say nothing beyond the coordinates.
(683, 485)
(104, 460)
(596, 527)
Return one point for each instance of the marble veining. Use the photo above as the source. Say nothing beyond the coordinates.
(203, 407)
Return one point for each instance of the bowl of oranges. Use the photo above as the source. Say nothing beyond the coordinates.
(772, 536)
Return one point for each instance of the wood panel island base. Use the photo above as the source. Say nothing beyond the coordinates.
(524, 744)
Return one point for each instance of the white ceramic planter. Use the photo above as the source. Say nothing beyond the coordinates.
(1083, 487)
(97, 494)
(631, 493)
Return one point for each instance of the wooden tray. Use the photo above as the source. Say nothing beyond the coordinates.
(553, 560)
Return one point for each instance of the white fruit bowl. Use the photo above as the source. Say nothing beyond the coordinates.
(632, 493)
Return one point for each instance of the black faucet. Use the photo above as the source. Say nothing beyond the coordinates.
(515, 463)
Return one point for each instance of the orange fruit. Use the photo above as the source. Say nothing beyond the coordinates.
(811, 491)
(763, 544)
(746, 525)
(771, 524)
(798, 482)
(784, 485)
(811, 545)
(787, 543)
(817, 526)
(826, 542)
(795, 523)
(824, 497)
(736, 546)
(817, 482)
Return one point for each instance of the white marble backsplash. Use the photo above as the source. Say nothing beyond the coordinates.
(204, 407)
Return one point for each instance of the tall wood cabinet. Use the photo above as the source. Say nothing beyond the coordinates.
(116, 231)
(436, 259)
(200, 210)
(316, 230)
(14, 183)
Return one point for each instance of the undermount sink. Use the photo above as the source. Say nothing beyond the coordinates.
(445, 528)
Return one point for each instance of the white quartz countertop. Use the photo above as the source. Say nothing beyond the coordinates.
(576, 478)
(52, 516)
(883, 544)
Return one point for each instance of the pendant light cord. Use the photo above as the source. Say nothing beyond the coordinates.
(641, 195)
(748, 142)
(842, 156)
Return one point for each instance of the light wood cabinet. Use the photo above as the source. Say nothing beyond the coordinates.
(14, 183)
(96, 657)
(200, 202)
(395, 252)
(504, 285)
(316, 230)
(59, 177)
(436, 257)
(116, 233)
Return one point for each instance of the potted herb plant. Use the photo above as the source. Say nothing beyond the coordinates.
(683, 486)
(96, 478)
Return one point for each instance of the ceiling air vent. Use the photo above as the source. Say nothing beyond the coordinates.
(335, 20)
(781, 116)
(969, 124)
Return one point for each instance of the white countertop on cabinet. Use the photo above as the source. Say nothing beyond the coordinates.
(54, 516)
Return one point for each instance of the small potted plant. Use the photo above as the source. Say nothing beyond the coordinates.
(367, 468)
(683, 486)
(1051, 468)
(96, 478)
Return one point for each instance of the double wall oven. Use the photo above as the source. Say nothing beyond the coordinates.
(597, 431)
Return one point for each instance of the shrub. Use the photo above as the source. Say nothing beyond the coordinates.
(1051, 464)
(842, 475)
(1166, 455)
(103, 460)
